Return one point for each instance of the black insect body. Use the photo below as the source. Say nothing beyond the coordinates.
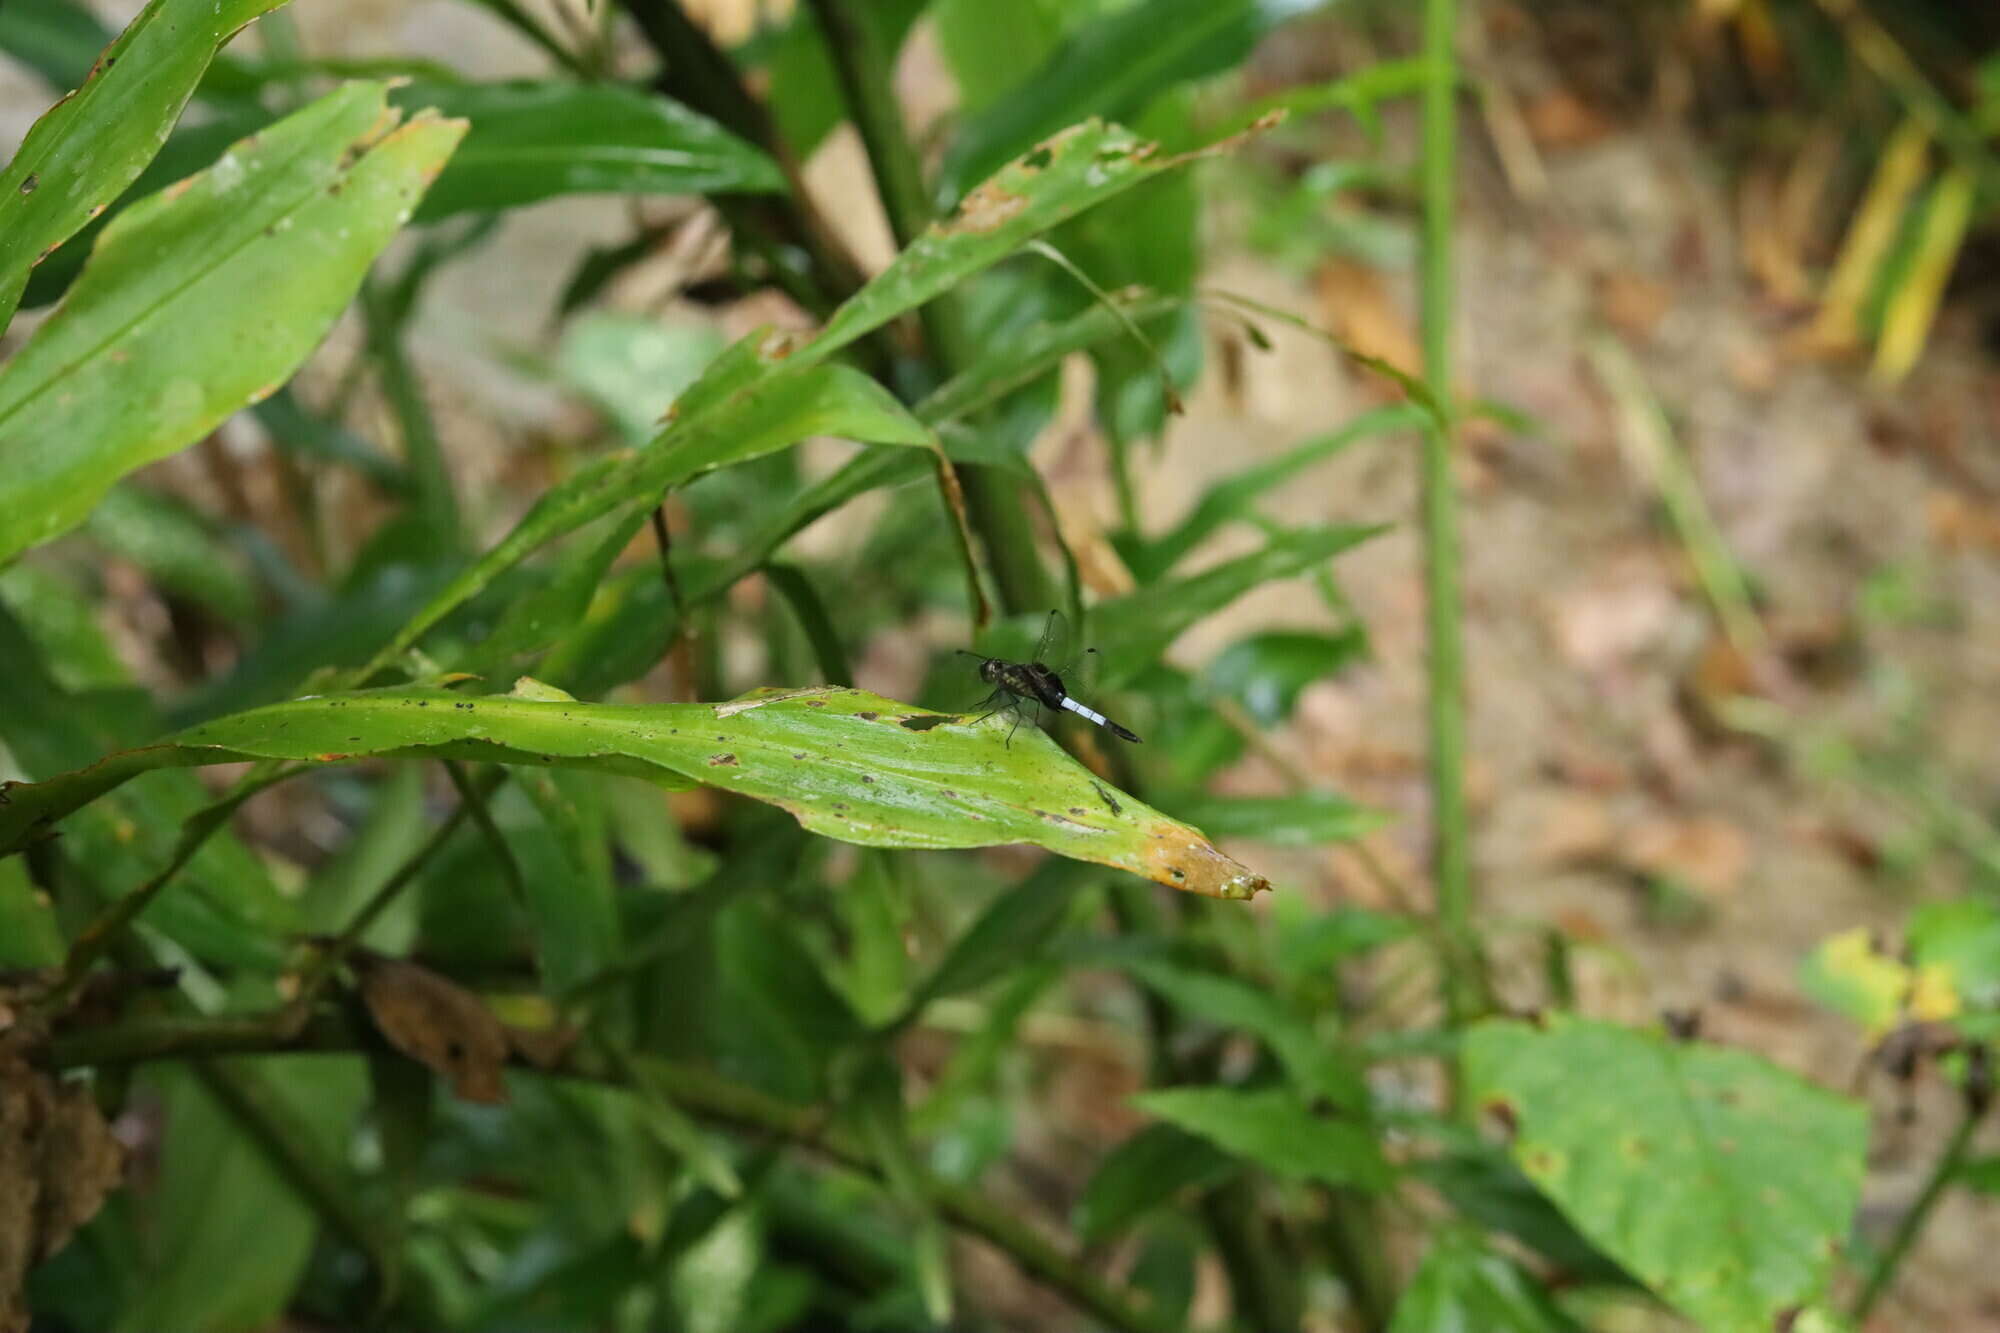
(1018, 686)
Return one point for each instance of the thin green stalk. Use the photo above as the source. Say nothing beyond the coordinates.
(1464, 985)
(1912, 1224)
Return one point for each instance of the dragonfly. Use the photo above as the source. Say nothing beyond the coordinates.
(1034, 684)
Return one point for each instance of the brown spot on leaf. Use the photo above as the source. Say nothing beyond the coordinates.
(985, 209)
(1503, 1113)
(30, 182)
(867, 717)
(925, 721)
(721, 760)
(437, 1023)
(1181, 858)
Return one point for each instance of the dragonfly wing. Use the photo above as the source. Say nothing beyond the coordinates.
(1053, 650)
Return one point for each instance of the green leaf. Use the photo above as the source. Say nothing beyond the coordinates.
(776, 1018)
(1136, 630)
(201, 299)
(1308, 819)
(1464, 1285)
(87, 148)
(1722, 1182)
(1317, 1069)
(1309, 941)
(847, 764)
(1143, 1173)
(1113, 67)
(1274, 1128)
(531, 141)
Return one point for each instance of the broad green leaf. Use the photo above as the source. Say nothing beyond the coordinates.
(201, 299)
(1463, 1285)
(88, 147)
(1136, 629)
(1275, 1129)
(1266, 672)
(847, 764)
(1722, 1182)
(1317, 1069)
(1308, 819)
(1113, 67)
(565, 865)
(537, 619)
(1141, 1174)
(533, 141)
(1235, 497)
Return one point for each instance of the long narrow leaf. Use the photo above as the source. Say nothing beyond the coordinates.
(847, 764)
(88, 147)
(202, 299)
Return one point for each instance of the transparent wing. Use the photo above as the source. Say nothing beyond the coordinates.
(1055, 650)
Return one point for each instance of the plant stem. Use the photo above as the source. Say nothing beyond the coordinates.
(1912, 1223)
(1464, 973)
(701, 1093)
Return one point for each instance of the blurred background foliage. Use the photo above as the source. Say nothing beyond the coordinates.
(425, 1041)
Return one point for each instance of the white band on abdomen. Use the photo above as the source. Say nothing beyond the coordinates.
(1081, 711)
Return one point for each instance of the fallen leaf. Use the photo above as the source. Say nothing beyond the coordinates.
(1706, 853)
(1633, 304)
(1575, 830)
(1561, 119)
(436, 1023)
(1617, 614)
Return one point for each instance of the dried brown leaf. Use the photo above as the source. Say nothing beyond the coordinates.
(437, 1023)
